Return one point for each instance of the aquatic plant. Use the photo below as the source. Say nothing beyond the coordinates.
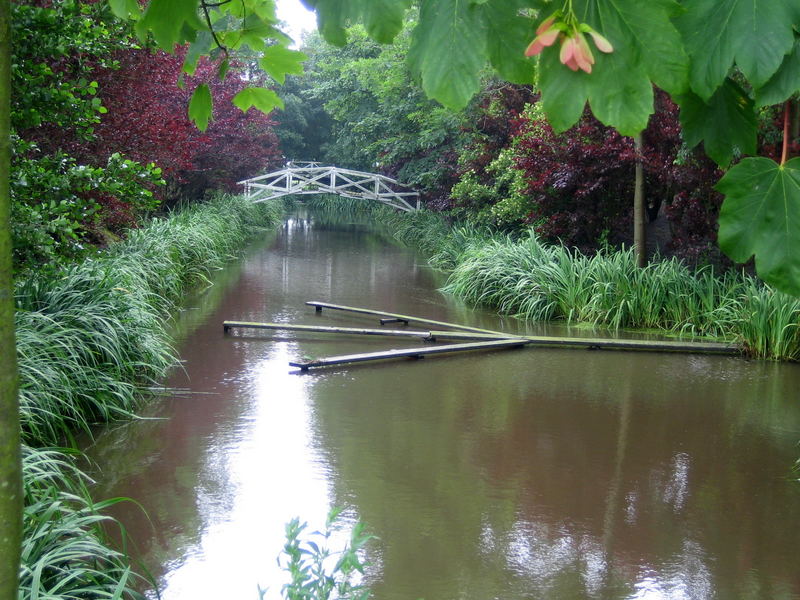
(307, 560)
(532, 281)
(768, 322)
(65, 550)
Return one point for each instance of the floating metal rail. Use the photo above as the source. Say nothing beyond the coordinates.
(490, 340)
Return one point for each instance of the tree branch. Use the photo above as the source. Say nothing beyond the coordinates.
(205, 8)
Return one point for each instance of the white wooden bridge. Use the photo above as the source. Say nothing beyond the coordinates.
(305, 177)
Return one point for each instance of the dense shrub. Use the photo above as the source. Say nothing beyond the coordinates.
(489, 188)
(147, 121)
(59, 206)
(97, 123)
(580, 183)
(577, 187)
(59, 203)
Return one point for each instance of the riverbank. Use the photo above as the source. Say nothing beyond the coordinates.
(90, 337)
(523, 277)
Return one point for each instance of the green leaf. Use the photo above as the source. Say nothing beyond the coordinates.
(263, 99)
(125, 9)
(383, 19)
(222, 69)
(784, 83)
(255, 32)
(508, 34)
(333, 17)
(279, 61)
(621, 95)
(564, 93)
(200, 106)
(200, 47)
(725, 124)
(263, 8)
(448, 50)
(761, 217)
(756, 34)
(166, 20)
(643, 37)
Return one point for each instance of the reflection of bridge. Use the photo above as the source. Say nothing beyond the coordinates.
(300, 177)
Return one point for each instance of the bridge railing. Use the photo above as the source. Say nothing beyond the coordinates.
(308, 177)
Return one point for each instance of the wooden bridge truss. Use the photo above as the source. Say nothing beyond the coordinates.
(303, 177)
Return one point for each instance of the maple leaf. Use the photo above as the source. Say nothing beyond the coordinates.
(761, 217)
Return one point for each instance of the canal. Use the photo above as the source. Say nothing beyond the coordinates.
(521, 474)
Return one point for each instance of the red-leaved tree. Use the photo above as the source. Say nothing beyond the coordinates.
(147, 121)
(581, 183)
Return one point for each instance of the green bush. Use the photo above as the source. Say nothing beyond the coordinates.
(313, 576)
(57, 204)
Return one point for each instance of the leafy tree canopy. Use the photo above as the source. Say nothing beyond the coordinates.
(720, 60)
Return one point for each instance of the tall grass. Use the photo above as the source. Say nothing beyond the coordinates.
(91, 333)
(524, 277)
(89, 337)
(65, 550)
(769, 322)
(535, 281)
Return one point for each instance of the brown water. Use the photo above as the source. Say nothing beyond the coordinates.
(524, 474)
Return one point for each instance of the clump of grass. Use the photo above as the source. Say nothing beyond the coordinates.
(768, 322)
(91, 333)
(84, 342)
(65, 550)
(534, 281)
(337, 208)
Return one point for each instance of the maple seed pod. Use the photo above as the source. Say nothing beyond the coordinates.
(576, 54)
(543, 40)
(584, 55)
(566, 56)
(601, 42)
(545, 25)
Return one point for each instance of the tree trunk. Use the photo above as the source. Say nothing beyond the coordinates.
(10, 462)
(639, 209)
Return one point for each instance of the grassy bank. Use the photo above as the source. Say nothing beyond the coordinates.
(90, 336)
(523, 277)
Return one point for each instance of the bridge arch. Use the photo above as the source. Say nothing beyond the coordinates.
(308, 177)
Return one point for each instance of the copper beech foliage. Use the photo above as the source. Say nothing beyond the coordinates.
(147, 121)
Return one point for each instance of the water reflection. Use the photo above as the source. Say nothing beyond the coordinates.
(515, 475)
(264, 448)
